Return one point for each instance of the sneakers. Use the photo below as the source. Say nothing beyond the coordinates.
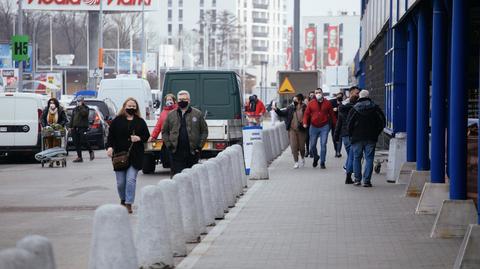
(315, 161)
(92, 155)
(302, 162)
(348, 179)
(367, 185)
(295, 166)
(322, 165)
(357, 183)
(129, 208)
(78, 160)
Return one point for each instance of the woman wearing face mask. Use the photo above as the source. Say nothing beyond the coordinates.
(127, 132)
(170, 104)
(296, 131)
(52, 115)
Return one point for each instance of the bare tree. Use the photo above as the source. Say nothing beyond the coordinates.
(122, 24)
(7, 17)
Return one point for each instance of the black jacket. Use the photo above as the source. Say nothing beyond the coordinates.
(119, 138)
(341, 129)
(288, 113)
(62, 117)
(80, 117)
(365, 121)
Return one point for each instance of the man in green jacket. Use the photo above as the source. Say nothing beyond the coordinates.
(184, 132)
(79, 126)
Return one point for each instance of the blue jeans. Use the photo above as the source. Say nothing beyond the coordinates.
(126, 182)
(315, 133)
(361, 148)
(348, 149)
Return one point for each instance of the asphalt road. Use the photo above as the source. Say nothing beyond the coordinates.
(59, 203)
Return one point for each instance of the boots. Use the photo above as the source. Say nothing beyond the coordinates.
(349, 180)
(129, 208)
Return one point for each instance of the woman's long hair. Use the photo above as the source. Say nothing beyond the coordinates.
(124, 113)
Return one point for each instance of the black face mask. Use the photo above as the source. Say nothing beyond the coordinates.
(183, 104)
(131, 111)
(295, 103)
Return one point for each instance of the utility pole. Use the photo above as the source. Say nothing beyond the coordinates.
(20, 32)
(143, 39)
(296, 36)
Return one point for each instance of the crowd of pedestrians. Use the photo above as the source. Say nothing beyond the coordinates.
(356, 122)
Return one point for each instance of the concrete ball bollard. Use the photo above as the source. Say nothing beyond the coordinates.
(173, 213)
(259, 169)
(223, 189)
(278, 144)
(216, 188)
(267, 144)
(223, 162)
(197, 193)
(273, 145)
(112, 239)
(207, 201)
(191, 226)
(231, 175)
(284, 135)
(236, 176)
(241, 164)
(153, 230)
(17, 258)
(42, 250)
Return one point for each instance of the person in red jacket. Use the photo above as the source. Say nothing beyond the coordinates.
(255, 108)
(170, 104)
(321, 118)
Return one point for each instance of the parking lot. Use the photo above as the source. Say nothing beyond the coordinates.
(58, 202)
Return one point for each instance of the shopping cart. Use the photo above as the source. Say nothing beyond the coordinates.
(54, 146)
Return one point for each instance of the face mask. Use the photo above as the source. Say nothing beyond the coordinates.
(319, 96)
(295, 102)
(131, 111)
(183, 104)
(340, 98)
(169, 103)
(52, 106)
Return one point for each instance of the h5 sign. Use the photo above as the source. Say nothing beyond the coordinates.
(20, 47)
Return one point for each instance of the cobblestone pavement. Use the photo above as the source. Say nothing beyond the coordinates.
(308, 218)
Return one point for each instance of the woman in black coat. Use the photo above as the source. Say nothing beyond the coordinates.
(127, 132)
(296, 132)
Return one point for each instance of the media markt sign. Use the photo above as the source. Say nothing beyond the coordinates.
(20, 47)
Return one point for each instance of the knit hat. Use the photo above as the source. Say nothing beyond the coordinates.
(363, 93)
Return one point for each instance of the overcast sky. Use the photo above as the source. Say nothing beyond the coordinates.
(322, 7)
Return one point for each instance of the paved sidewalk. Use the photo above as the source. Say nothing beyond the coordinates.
(308, 218)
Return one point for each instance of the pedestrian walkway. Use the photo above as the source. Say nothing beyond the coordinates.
(308, 218)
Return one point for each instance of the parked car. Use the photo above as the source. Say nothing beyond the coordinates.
(20, 122)
(107, 107)
(97, 132)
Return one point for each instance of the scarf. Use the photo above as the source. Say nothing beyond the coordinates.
(52, 116)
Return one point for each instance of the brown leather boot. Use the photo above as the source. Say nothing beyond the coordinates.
(129, 208)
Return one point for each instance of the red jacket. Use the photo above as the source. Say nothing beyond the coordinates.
(259, 109)
(319, 114)
(161, 119)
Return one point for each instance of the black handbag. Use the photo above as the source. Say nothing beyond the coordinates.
(120, 160)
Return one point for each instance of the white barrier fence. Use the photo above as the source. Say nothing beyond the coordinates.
(170, 214)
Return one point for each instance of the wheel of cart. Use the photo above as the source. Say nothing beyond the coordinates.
(377, 168)
(381, 156)
(60, 135)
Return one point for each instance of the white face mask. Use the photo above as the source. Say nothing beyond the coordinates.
(52, 106)
(169, 103)
(319, 96)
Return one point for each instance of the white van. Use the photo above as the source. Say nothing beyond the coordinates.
(20, 119)
(119, 89)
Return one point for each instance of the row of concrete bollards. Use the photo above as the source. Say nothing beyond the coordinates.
(274, 142)
(170, 215)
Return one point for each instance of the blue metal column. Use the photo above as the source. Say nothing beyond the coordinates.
(411, 92)
(438, 92)
(423, 107)
(458, 103)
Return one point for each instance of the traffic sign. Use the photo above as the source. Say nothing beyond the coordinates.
(20, 47)
(286, 87)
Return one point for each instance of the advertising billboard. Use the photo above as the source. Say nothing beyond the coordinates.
(333, 58)
(288, 60)
(8, 79)
(6, 58)
(310, 53)
(91, 5)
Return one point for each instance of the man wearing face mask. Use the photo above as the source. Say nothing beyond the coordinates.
(79, 125)
(319, 114)
(184, 132)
